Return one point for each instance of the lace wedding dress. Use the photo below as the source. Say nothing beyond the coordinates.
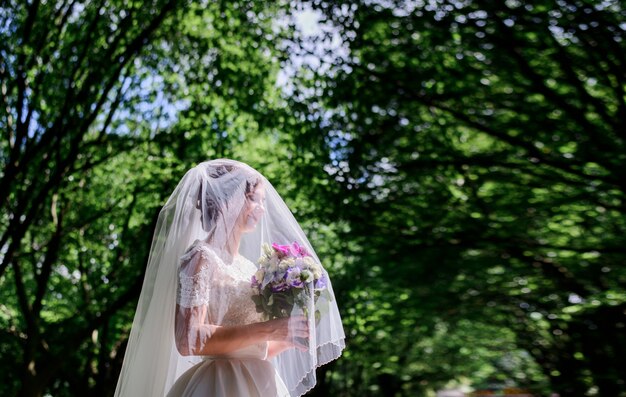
(219, 205)
(225, 291)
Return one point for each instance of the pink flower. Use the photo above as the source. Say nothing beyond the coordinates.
(295, 250)
(298, 250)
(281, 249)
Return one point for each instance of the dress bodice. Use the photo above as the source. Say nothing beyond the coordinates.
(223, 287)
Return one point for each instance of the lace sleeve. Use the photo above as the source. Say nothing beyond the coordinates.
(194, 278)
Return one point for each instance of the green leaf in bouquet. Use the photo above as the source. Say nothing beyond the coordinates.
(258, 303)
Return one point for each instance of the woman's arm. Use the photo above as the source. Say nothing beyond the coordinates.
(195, 337)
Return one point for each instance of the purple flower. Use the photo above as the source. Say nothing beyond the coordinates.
(321, 282)
(296, 283)
(293, 277)
(280, 287)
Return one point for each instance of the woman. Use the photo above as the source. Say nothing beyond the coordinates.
(197, 330)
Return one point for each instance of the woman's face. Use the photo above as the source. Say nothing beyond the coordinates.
(253, 209)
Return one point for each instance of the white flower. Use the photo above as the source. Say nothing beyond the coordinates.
(259, 275)
(286, 263)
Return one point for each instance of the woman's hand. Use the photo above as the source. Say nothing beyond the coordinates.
(274, 348)
(291, 330)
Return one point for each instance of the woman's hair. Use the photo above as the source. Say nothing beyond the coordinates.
(210, 205)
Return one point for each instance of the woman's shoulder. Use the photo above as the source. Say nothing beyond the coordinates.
(200, 256)
(203, 248)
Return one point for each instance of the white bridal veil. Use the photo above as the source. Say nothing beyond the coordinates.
(207, 205)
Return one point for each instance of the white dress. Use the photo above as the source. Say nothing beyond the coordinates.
(245, 372)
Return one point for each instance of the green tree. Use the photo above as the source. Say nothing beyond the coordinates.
(105, 106)
(480, 150)
(64, 70)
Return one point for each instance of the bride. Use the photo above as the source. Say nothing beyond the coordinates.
(197, 330)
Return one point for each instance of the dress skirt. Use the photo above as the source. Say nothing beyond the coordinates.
(237, 374)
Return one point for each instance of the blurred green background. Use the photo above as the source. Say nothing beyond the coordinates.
(460, 167)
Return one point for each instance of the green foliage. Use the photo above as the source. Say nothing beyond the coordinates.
(458, 166)
(107, 106)
(480, 146)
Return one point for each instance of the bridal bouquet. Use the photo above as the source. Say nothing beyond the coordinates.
(286, 277)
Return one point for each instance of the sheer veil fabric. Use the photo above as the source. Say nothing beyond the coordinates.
(211, 202)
